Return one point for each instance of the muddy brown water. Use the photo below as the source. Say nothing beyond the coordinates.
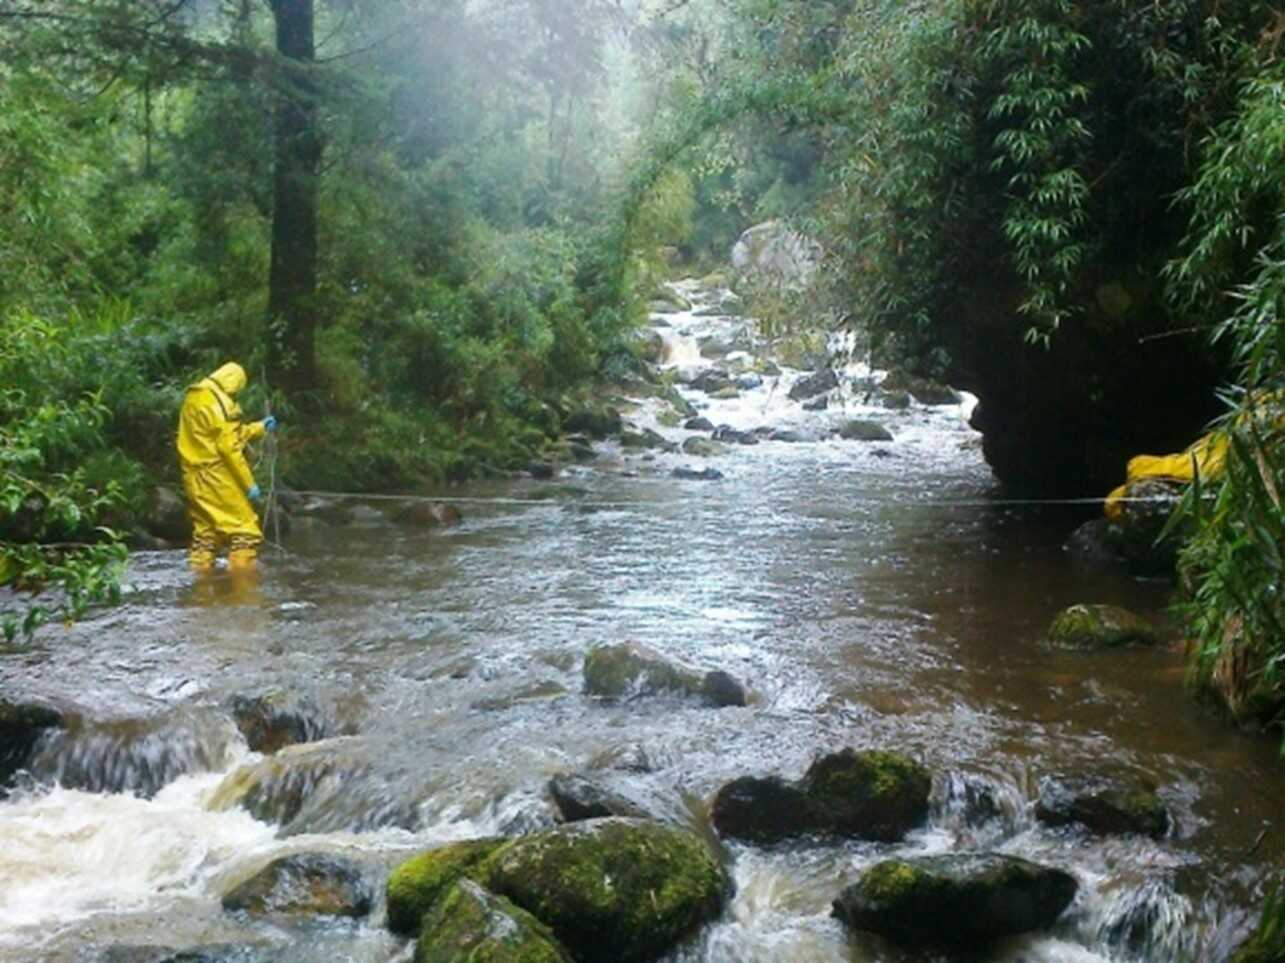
(870, 596)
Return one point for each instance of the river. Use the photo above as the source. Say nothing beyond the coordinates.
(870, 595)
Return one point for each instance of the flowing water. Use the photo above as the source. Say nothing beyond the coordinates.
(871, 595)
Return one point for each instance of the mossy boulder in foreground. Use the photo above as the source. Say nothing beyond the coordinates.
(418, 883)
(1103, 806)
(955, 901)
(863, 795)
(612, 890)
(1101, 627)
(471, 925)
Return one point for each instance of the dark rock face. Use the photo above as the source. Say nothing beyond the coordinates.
(578, 799)
(817, 404)
(1144, 513)
(699, 424)
(167, 516)
(814, 384)
(1104, 807)
(923, 390)
(712, 380)
(863, 795)
(1100, 627)
(612, 890)
(21, 726)
(306, 884)
(860, 430)
(720, 689)
(471, 924)
(694, 474)
(273, 720)
(955, 901)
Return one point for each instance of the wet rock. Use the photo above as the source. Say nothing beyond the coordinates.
(647, 438)
(612, 889)
(787, 435)
(1147, 507)
(596, 421)
(860, 430)
(814, 384)
(1101, 627)
(923, 390)
(895, 400)
(748, 382)
(863, 795)
(578, 799)
(472, 925)
(699, 447)
(273, 720)
(1103, 806)
(1093, 544)
(699, 424)
(1267, 943)
(167, 517)
(22, 724)
(712, 380)
(697, 474)
(681, 405)
(726, 394)
(416, 884)
(214, 953)
(628, 671)
(319, 787)
(955, 901)
(817, 404)
(305, 884)
(426, 514)
(731, 436)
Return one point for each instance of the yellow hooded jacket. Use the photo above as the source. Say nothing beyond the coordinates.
(211, 439)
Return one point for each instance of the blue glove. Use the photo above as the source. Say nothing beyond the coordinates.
(254, 493)
(270, 423)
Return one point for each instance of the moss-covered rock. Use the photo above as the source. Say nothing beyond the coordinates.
(1101, 627)
(858, 429)
(471, 925)
(629, 670)
(612, 890)
(864, 795)
(305, 884)
(955, 901)
(1267, 943)
(415, 885)
(1103, 806)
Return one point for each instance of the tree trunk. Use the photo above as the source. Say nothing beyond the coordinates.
(292, 281)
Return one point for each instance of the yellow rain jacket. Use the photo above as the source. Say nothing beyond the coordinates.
(1207, 456)
(216, 478)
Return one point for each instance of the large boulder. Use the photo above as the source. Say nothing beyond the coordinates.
(275, 719)
(712, 381)
(305, 884)
(612, 889)
(628, 670)
(1103, 806)
(1100, 627)
(772, 254)
(955, 901)
(22, 724)
(419, 882)
(872, 794)
(472, 925)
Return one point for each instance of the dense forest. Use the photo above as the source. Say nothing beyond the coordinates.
(430, 228)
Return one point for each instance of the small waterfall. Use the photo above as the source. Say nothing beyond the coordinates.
(680, 350)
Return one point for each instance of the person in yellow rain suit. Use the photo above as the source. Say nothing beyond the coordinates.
(216, 479)
(1207, 456)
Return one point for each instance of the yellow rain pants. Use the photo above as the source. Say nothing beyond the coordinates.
(1207, 456)
(216, 478)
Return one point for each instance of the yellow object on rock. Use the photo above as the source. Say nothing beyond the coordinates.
(216, 477)
(1207, 456)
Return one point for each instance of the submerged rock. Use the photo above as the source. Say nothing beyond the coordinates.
(628, 670)
(956, 900)
(1103, 806)
(578, 798)
(860, 430)
(21, 726)
(697, 474)
(864, 795)
(612, 889)
(276, 719)
(730, 435)
(712, 380)
(647, 438)
(305, 884)
(472, 925)
(213, 953)
(415, 885)
(814, 384)
(1101, 627)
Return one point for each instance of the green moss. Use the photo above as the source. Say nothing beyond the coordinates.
(612, 889)
(415, 885)
(1099, 627)
(873, 794)
(890, 881)
(470, 925)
